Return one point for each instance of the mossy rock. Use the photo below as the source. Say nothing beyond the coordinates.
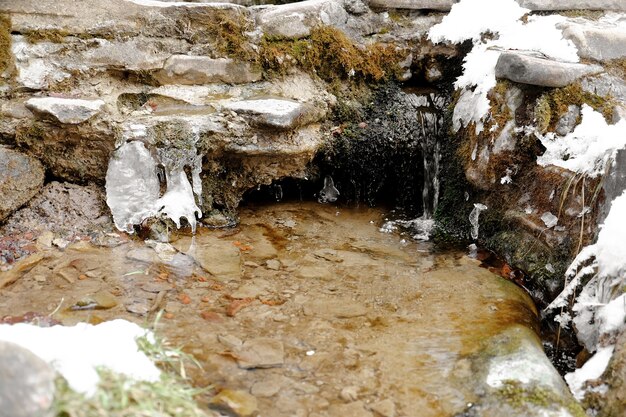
(7, 67)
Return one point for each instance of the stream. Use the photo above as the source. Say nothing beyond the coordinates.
(311, 309)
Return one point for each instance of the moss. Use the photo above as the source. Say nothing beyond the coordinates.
(554, 103)
(49, 35)
(6, 57)
(520, 396)
(226, 32)
(330, 54)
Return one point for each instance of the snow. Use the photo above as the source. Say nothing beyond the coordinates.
(549, 219)
(589, 148)
(469, 20)
(77, 352)
(592, 369)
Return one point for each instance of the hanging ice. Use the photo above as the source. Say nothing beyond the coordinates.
(473, 218)
(133, 186)
(329, 193)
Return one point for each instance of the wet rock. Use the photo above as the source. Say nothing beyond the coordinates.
(611, 403)
(273, 264)
(275, 112)
(235, 403)
(527, 69)
(617, 5)
(185, 69)
(599, 41)
(355, 409)
(251, 290)
(65, 110)
(314, 272)
(21, 177)
(334, 308)
(384, 408)
(26, 383)
(295, 20)
(260, 353)
(222, 261)
(139, 307)
(442, 5)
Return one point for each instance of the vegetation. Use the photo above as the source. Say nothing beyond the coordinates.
(225, 30)
(519, 396)
(330, 54)
(49, 35)
(6, 57)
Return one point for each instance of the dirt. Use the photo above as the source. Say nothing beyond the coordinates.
(307, 307)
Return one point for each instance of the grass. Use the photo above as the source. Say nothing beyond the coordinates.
(6, 57)
(49, 35)
(117, 396)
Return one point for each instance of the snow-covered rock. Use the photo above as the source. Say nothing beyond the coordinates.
(603, 40)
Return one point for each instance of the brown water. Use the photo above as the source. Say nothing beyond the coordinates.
(309, 307)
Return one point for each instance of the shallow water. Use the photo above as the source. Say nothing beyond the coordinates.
(309, 307)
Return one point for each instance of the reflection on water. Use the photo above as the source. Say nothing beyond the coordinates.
(309, 307)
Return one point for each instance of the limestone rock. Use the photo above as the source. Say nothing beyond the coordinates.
(384, 408)
(602, 42)
(334, 308)
(21, 177)
(295, 20)
(605, 85)
(136, 54)
(65, 110)
(235, 403)
(442, 5)
(354, 409)
(617, 5)
(527, 69)
(26, 383)
(185, 69)
(275, 112)
(261, 352)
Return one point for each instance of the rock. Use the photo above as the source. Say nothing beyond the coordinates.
(334, 308)
(442, 5)
(273, 264)
(527, 69)
(354, 409)
(234, 403)
(221, 260)
(314, 272)
(251, 290)
(21, 177)
(269, 386)
(26, 383)
(295, 20)
(65, 110)
(619, 113)
(275, 112)
(617, 5)
(349, 394)
(136, 54)
(568, 121)
(605, 85)
(260, 353)
(612, 402)
(598, 41)
(185, 69)
(384, 408)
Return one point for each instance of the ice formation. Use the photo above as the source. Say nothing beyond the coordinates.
(473, 218)
(77, 352)
(328, 194)
(587, 149)
(468, 20)
(133, 186)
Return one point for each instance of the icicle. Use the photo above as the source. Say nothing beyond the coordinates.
(473, 218)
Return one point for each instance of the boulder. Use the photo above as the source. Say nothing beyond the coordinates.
(533, 70)
(26, 383)
(606, 85)
(65, 110)
(295, 20)
(21, 177)
(190, 70)
(598, 41)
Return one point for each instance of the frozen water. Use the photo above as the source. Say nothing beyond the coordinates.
(549, 219)
(329, 193)
(132, 185)
(473, 218)
(178, 201)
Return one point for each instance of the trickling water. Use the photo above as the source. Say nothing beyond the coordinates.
(473, 218)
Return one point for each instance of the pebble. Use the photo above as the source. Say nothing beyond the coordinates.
(384, 408)
(269, 386)
(261, 352)
(230, 341)
(273, 264)
(354, 409)
(138, 307)
(235, 402)
(349, 394)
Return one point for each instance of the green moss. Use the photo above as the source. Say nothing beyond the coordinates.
(49, 35)
(554, 103)
(6, 57)
(330, 54)
(519, 396)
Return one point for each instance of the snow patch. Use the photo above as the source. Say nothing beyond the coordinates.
(592, 369)
(77, 352)
(589, 148)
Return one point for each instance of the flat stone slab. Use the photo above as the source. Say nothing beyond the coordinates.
(617, 5)
(528, 69)
(273, 112)
(194, 70)
(65, 110)
(599, 41)
(443, 5)
(295, 20)
(21, 177)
